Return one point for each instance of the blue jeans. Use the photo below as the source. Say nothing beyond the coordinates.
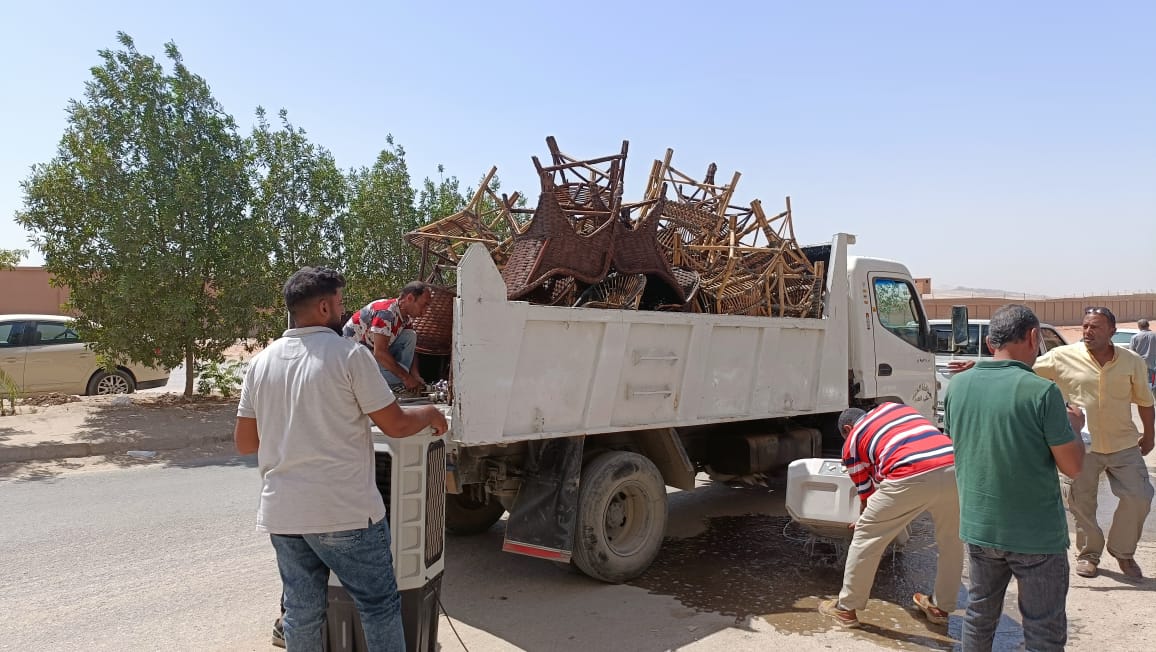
(402, 349)
(362, 562)
(1043, 591)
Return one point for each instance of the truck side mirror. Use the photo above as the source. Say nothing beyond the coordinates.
(958, 328)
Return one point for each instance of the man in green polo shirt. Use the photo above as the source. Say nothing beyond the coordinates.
(1011, 432)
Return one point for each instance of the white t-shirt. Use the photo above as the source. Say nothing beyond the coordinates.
(310, 392)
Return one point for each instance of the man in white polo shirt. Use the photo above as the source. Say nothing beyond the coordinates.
(305, 409)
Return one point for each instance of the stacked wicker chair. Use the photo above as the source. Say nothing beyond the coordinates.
(686, 246)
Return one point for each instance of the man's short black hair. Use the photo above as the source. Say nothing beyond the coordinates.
(850, 417)
(311, 283)
(416, 288)
(1011, 323)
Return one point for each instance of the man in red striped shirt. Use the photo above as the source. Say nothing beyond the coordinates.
(902, 466)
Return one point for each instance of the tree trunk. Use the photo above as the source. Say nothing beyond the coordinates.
(190, 372)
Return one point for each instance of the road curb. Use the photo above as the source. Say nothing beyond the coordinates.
(61, 450)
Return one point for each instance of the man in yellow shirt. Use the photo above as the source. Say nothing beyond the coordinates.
(1106, 380)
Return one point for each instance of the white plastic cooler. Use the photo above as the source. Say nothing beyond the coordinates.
(821, 497)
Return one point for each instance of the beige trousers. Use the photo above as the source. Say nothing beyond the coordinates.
(894, 504)
(1128, 479)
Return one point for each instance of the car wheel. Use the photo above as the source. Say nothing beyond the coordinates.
(103, 383)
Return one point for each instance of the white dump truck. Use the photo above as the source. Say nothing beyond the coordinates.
(574, 420)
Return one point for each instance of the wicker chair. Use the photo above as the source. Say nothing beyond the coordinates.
(617, 292)
(551, 247)
(689, 281)
(589, 191)
(486, 218)
(636, 246)
(436, 327)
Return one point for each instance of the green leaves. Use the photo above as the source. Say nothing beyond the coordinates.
(174, 233)
(10, 258)
(143, 214)
(299, 195)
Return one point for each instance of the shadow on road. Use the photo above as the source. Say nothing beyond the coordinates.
(219, 455)
(740, 567)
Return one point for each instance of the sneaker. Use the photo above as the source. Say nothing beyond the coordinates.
(845, 617)
(278, 634)
(1087, 568)
(1130, 568)
(935, 615)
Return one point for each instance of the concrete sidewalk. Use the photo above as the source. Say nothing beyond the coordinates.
(113, 425)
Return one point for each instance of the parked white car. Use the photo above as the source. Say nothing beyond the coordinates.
(42, 353)
(1123, 337)
(976, 349)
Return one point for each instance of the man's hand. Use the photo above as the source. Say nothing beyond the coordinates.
(959, 366)
(437, 421)
(1076, 418)
(1147, 442)
(413, 382)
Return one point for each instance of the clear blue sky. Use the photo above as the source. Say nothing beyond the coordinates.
(1003, 145)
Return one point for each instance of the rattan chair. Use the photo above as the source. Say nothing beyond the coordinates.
(436, 327)
(636, 246)
(486, 218)
(617, 292)
(551, 247)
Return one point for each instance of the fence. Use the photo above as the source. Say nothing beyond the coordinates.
(1058, 312)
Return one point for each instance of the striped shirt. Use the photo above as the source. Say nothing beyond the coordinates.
(893, 441)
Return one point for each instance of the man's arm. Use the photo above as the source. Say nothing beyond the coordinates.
(1045, 366)
(398, 422)
(386, 361)
(1147, 438)
(1069, 457)
(1061, 425)
(245, 436)
(1142, 397)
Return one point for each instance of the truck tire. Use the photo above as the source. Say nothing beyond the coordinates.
(621, 517)
(464, 515)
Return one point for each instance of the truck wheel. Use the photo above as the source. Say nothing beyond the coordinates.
(464, 515)
(621, 517)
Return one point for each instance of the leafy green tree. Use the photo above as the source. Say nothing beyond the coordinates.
(143, 214)
(10, 258)
(376, 259)
(299, 194)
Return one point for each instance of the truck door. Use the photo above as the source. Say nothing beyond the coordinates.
(904, 364)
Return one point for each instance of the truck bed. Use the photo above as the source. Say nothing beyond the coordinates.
(523, 371)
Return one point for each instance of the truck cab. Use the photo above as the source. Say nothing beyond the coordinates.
(891, 339)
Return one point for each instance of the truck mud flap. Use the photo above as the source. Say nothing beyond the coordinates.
(542, 522)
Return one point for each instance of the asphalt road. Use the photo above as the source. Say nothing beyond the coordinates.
(161, 554)
(124, 554)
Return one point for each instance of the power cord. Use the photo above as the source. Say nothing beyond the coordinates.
(451, 622)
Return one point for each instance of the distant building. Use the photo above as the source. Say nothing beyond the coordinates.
(923, 286)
